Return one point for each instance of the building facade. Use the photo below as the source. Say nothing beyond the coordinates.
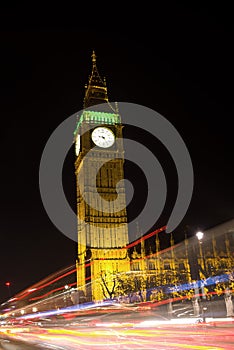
(102, 219)
(209, 261)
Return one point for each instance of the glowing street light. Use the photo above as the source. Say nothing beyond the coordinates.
(199, 235)
(8, 284)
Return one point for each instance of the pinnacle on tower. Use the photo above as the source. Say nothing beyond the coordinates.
(96, 90)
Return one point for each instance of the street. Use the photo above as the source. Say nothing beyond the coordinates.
(120, 332)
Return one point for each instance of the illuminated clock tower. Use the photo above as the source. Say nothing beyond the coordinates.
(102, 223)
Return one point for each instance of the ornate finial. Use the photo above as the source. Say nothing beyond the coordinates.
(93, 57)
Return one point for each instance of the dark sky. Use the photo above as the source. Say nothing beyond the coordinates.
(181, 65)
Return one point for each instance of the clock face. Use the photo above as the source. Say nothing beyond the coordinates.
(103, 137)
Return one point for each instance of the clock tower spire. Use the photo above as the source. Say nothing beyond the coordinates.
(99, 167)
(96, 90)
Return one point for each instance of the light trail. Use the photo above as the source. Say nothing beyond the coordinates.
(38, 286)
(126, 336)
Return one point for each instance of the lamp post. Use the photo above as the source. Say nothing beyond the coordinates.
(200, 236)
(8, 284)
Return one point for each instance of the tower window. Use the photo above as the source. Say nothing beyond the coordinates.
(181, 266)
(135, 266)
(151, 265)
(167, 267)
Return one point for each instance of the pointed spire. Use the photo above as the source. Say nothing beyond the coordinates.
(157, 244)
(93, 57)
(96, 91)
(95, 79)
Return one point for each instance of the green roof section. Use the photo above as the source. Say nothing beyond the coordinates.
(94, 117)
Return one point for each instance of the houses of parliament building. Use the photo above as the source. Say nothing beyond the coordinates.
(104, 249)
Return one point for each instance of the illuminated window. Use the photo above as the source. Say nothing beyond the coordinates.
(151, 265)
(135, 266)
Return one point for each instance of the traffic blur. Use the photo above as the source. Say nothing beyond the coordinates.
(118, 327)
(139, 310)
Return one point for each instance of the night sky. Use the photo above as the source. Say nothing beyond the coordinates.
(181, 65)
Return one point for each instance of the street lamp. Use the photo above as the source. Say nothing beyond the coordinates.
(8, 284)
(200, 236)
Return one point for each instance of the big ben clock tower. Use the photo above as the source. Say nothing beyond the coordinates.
(102, 222)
